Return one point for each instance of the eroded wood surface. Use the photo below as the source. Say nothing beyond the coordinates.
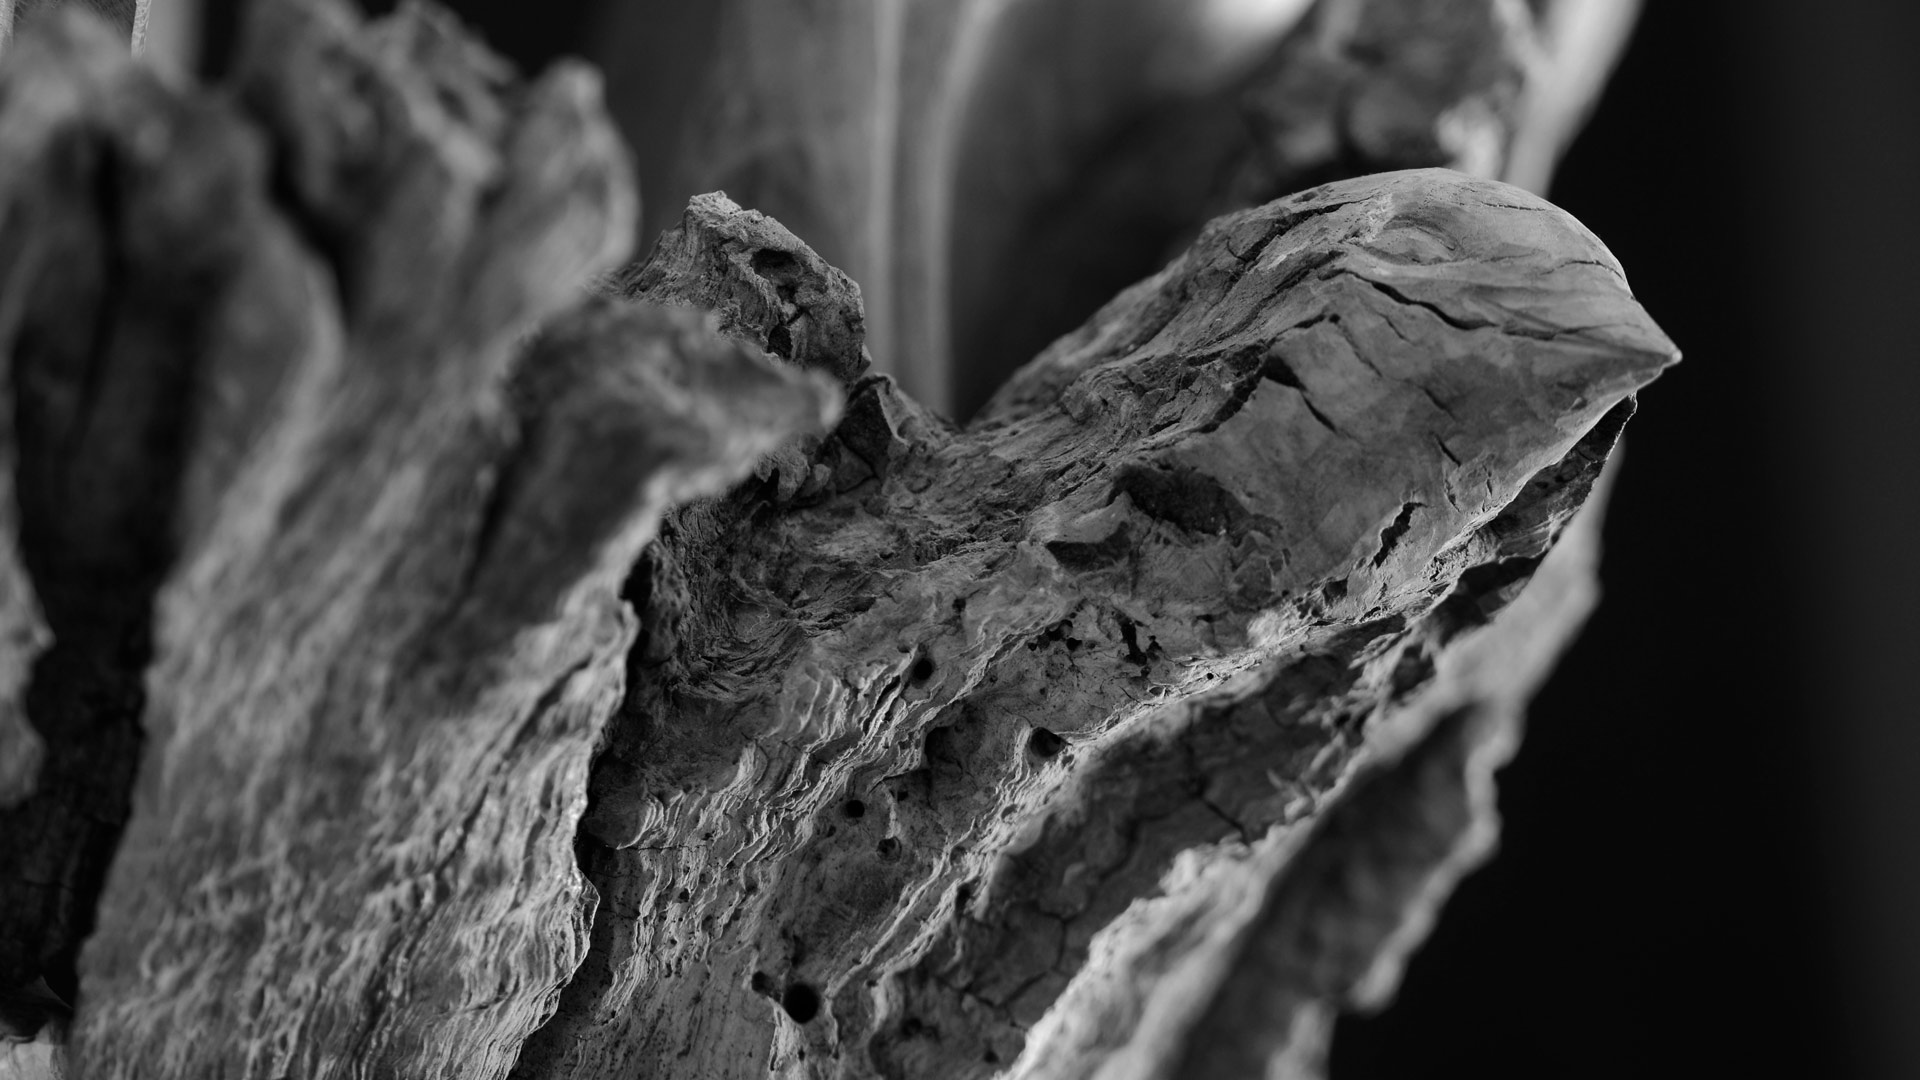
(548, 680)
(937, 714)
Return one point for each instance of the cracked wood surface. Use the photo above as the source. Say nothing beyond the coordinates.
(927, 720)
(547, 683)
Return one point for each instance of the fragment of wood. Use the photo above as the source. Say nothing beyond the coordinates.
(299, 430)
(1239, 967)
(900, 745)
(759, 279)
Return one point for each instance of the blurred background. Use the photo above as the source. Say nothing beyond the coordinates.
(1711, 861)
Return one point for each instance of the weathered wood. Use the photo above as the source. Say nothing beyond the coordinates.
(98, 309)
(524, 677)
(387, 564)
(835, 828)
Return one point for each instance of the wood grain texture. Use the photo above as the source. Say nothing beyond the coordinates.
(457, 658)
(391, 533)
(919, 727)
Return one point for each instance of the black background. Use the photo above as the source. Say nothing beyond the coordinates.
(1712, 834)
(1711, 859)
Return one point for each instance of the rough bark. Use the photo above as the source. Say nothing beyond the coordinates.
(934, 715)
(432, 667)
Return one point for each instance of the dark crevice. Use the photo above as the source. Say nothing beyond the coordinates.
(1279, 370)
(500, 496)
(1458, 322)
(1183, 497)
(1530, 524)
(1334, 909)
(1088, 556)
(1285, 222)
(780, 342)
(1239, 830)
(801, 1002)
(1320, 416)
(1435, 400)
(1131, 637)
(1391, 535)
(323, 238)
(1245, 368)
(102, 426)
(1536, 332)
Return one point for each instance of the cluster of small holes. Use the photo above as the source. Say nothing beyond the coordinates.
(1060, 633)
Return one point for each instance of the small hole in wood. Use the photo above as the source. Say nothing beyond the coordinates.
(921, 671)
(780, 342)
(854, 808)
(802, 1002)
(1045, 743)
